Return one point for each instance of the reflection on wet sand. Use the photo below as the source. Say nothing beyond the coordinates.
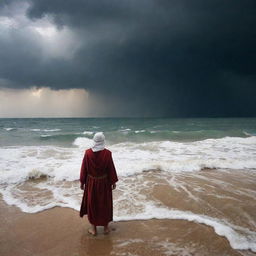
(99, 245)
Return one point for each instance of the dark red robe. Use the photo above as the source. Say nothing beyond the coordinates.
(98, 173)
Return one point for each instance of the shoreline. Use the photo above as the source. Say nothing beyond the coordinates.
(60, 231)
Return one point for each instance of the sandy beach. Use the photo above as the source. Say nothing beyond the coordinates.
(60, 231)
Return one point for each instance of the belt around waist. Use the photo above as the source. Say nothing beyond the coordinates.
(98, 177)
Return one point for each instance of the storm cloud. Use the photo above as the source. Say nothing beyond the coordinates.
(172, 58)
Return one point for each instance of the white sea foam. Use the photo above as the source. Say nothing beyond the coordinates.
(9, 129)
(129, 241)
(17, 163)
(170, 248)
(45, 135)
(234, 153)
(125, 131)
(176, 131)
(154, 131)
(221, 228)
(35, 174)
(83, 142)
(45, 130)
(130, 158)
(139, 131)
(249, 134)
(88, 133)
(51, 130)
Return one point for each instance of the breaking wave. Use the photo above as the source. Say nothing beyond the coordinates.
(130, 158)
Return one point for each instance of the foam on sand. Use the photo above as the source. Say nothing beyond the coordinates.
(239, 238)
(221, 228)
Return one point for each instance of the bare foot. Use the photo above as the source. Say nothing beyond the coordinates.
(92, 232)
(106, 230)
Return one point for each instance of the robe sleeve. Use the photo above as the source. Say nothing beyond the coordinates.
(112, 171)
(83, 171)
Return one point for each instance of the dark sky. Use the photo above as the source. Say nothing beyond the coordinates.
(172, 58)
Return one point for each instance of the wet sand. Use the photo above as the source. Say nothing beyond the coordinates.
(225, 194)
(60, 231)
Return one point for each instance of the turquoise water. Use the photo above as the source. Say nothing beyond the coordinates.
(64, 131)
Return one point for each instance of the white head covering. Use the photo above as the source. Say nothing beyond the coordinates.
(98, 142)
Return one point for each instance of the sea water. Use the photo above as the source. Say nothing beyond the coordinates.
(40, 162)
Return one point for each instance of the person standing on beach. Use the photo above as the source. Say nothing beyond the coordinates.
(98, 178)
